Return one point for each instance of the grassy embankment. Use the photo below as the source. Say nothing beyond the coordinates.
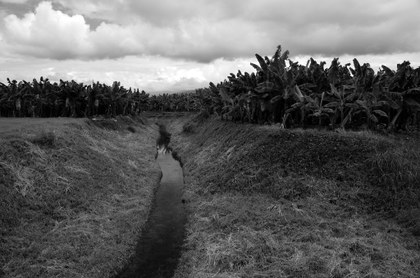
(74, 195)
(266, 202)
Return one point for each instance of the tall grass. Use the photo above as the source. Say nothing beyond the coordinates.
(397, 172)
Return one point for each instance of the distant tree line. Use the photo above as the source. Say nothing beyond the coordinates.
(72, 99)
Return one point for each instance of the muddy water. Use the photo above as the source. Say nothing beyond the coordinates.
(160, 244)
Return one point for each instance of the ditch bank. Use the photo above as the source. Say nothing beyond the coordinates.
(267, 202)
(74, 194)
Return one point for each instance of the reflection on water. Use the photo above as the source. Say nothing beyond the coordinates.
(160, 244)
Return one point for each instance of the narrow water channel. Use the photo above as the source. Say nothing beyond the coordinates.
(160, 244)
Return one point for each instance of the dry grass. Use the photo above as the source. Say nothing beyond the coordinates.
(257, 212)
(73, 197)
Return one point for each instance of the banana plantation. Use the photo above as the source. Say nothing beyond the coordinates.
(71, 99)
(340, 96)
(279, 91)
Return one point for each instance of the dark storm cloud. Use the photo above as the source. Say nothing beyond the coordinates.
(206, 30)
(17, 7)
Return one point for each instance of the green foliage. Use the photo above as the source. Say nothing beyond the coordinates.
(164, 137)
(179, 102)
(45, 139)
(282, 91)
(198, 120)
(71, 99)
(131, 129)
(279, 91)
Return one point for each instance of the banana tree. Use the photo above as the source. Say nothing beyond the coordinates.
(6, 99)
(298, 105)
(371, 109)
(317, 108)
(73, 95)
(341, 100)
(227, 102)
(9, 98)
(402, 90)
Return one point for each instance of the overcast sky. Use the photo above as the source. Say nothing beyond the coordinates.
(173, 45)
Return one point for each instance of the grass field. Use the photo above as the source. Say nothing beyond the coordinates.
(267, 202)
(74, 194)
(262, 201)
(12, 126)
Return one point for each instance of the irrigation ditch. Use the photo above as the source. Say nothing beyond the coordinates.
(160, 244)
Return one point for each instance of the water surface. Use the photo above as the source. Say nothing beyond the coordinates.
(159, 246)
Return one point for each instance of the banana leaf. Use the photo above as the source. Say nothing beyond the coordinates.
(265, 87)
(333, 104)
(256, 67)
(393, 104)
(380, 113)
(276, 98)
(327, 110)
(263, 105)
(225, 96)
(413, 104)
(298, 93)
(373, 118)
(262, 62)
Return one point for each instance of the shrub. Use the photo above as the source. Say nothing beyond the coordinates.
(202, 116)
(191, 126)
(188, 128)
(45, 139)
(131, 129)
(164, 136)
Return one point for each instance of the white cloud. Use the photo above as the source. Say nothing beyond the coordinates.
(161, 44)
(54, 34)
(153, 73)
(203, 31)
(47, 33)
(149, 72)
(14, 1)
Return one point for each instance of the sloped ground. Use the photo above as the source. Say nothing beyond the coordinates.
(74, 194)
(266, 202)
